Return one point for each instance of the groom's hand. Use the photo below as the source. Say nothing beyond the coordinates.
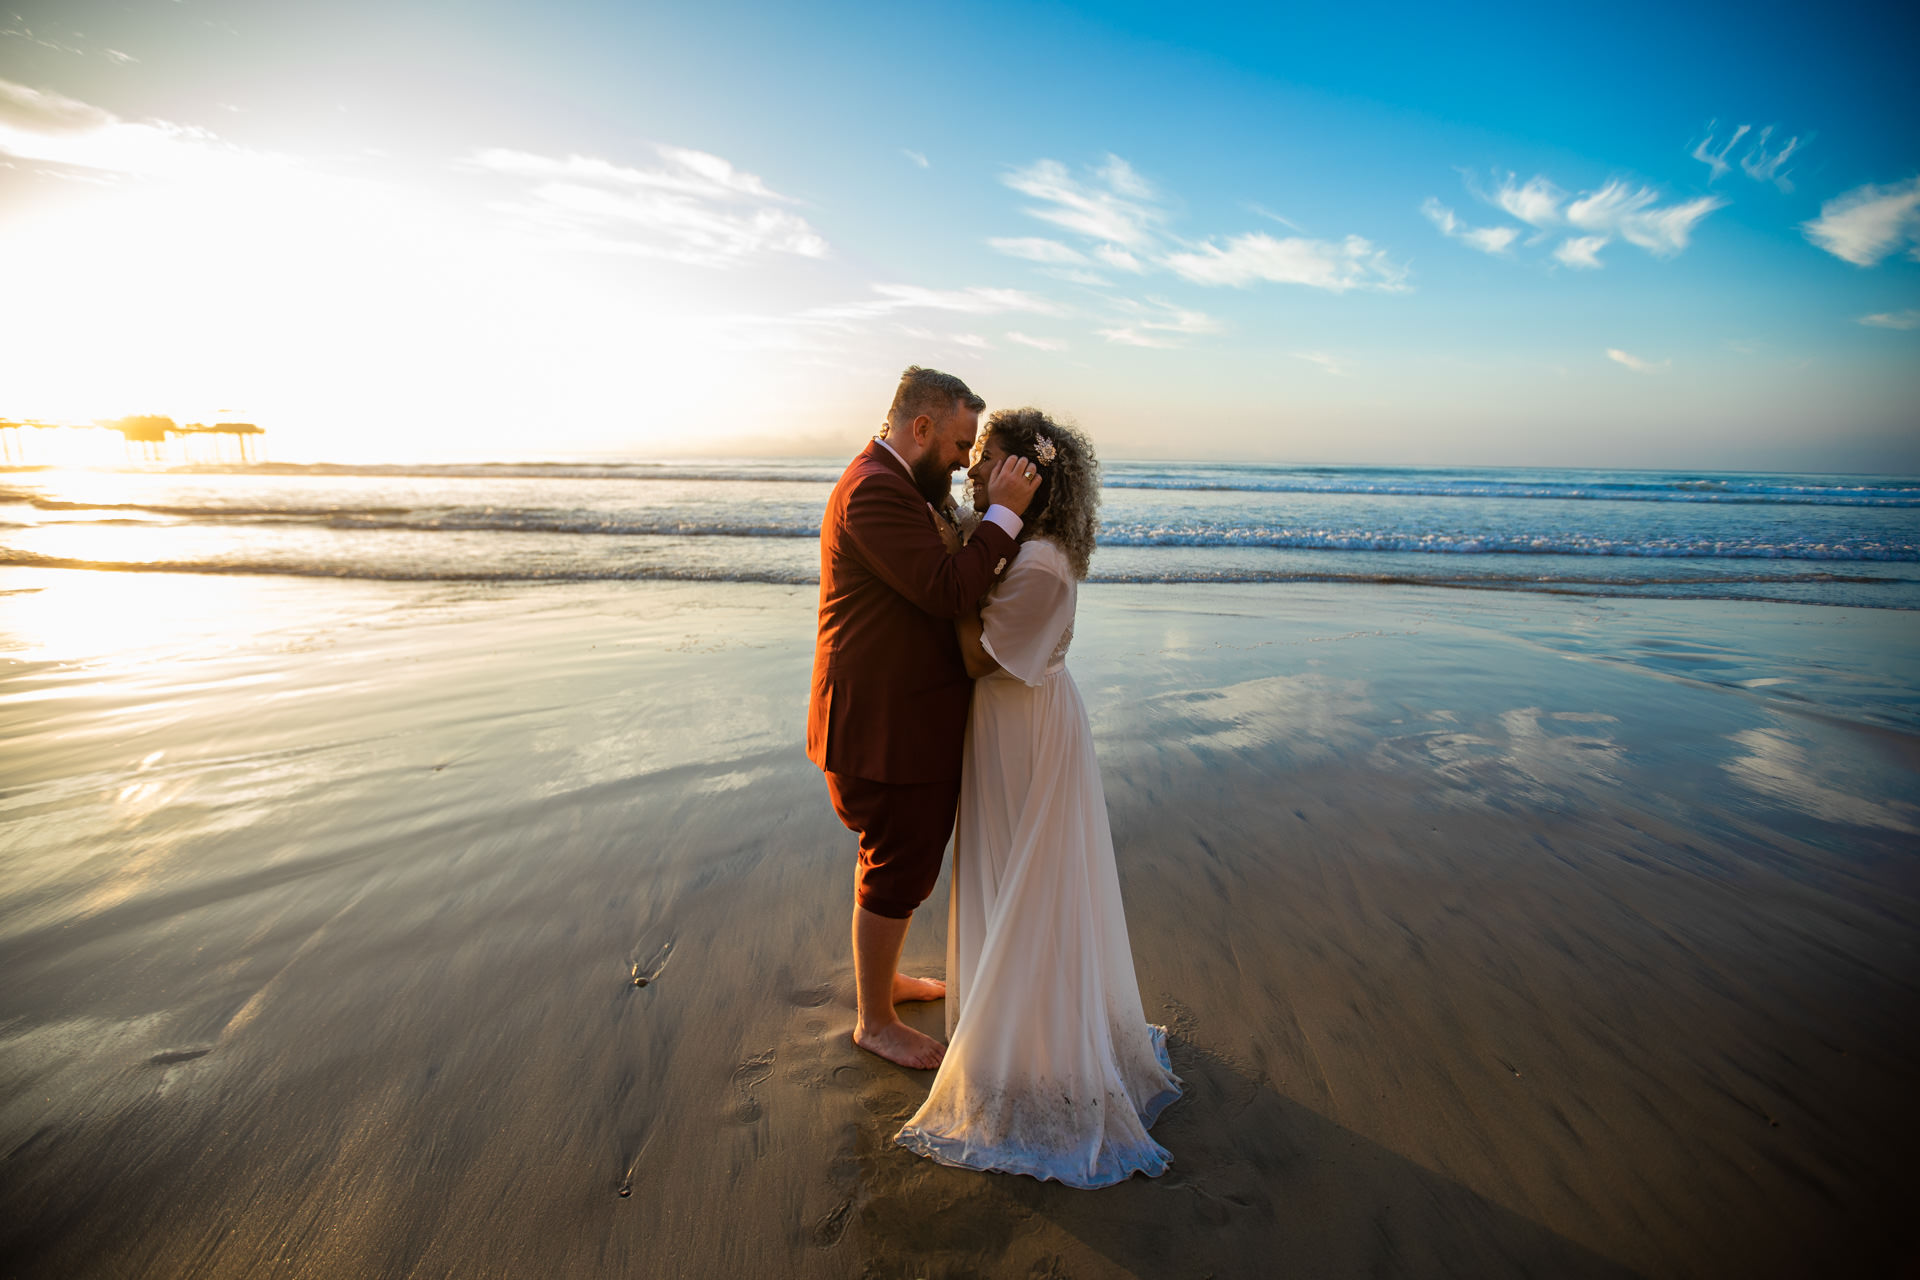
(1012, 484)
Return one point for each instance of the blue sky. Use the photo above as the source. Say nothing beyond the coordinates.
(1473, 235)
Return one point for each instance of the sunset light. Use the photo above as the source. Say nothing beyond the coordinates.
(665, 275)
(735, 640)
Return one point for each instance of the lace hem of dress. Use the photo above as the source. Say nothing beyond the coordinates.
(1114, 1164)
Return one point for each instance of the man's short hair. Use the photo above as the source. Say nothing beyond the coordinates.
(931, 392)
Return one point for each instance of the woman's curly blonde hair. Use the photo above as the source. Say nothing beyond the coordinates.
(1067, 504)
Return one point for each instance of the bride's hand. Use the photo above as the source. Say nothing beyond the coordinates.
(949, 536)
(1013, 484)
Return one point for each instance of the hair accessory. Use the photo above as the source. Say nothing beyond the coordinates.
(1043, 448)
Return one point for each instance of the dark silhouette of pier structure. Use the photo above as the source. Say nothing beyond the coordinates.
(151, 432)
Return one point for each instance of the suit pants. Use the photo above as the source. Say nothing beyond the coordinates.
(903, 828)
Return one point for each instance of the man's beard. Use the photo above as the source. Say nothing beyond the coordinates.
(934, 482)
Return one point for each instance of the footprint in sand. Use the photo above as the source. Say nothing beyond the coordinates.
(832, 1225)
(746, 1077)
(1180, 1019)
(813, 997)
(645, 971)
(804, 1052)
(843, 1174)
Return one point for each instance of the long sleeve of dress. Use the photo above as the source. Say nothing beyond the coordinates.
(1029, 612)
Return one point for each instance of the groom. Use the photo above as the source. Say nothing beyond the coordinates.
(888, 713)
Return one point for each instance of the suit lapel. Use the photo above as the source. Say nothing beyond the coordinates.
(880, 452)
(886, 458)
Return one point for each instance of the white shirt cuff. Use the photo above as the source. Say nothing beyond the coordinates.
(1005, 519)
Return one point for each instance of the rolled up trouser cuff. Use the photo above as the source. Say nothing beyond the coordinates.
(903, 828)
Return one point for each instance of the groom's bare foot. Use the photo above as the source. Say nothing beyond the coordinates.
(897, 1042)
(907, 990)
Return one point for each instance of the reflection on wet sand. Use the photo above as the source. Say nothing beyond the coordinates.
(378, 929)
(1784, 767)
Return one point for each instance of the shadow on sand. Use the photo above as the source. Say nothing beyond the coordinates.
(1260, 1186)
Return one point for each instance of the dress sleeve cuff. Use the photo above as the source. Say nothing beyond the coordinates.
(986, 642)
(1005, 519)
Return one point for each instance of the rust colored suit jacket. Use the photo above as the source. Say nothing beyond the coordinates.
(890, 692)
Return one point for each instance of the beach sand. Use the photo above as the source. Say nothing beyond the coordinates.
(1498, 935)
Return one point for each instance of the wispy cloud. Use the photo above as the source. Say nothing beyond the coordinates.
(1337, 266)
(1535, 202)
(1635, 363)
(1630, 213)
(684, 172)
(1617, 211)
(1908, 319)
(1167, 317)
(1132, 337)
(23, 107)
(1328, 364)
(1717, 160)
(1076, 275)
(919, 160)
(1037, 249)
(1059, 260)
(1038, 344)
(19, 30)
(1762, 161)
(690, 206)
(1866, 224)
(1493, 240)
(40, 125)
(829, 329)
(1580, 252)
(1155, 322)
(1121, 177)
(1269, 214)
(976, 300)
(1123, 217)
(1114, 207)
(1763, 165)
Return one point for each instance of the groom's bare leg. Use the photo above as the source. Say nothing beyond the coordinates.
(877, 1028)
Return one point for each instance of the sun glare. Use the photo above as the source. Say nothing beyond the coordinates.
(353, 319)
(125, 619)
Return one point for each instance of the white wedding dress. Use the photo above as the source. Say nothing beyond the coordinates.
(1052, 1069)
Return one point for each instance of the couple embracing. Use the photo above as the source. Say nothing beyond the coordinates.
(940, 691)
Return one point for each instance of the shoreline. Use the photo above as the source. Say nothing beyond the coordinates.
(1495, 934)
(1524, 584)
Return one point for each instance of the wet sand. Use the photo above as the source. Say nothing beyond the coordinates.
(1499, 935)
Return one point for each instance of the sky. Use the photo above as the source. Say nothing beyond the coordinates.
(1661, 236)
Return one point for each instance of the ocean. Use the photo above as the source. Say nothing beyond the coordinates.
(1816, 539)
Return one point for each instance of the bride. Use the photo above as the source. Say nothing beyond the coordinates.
(1052, 1069)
